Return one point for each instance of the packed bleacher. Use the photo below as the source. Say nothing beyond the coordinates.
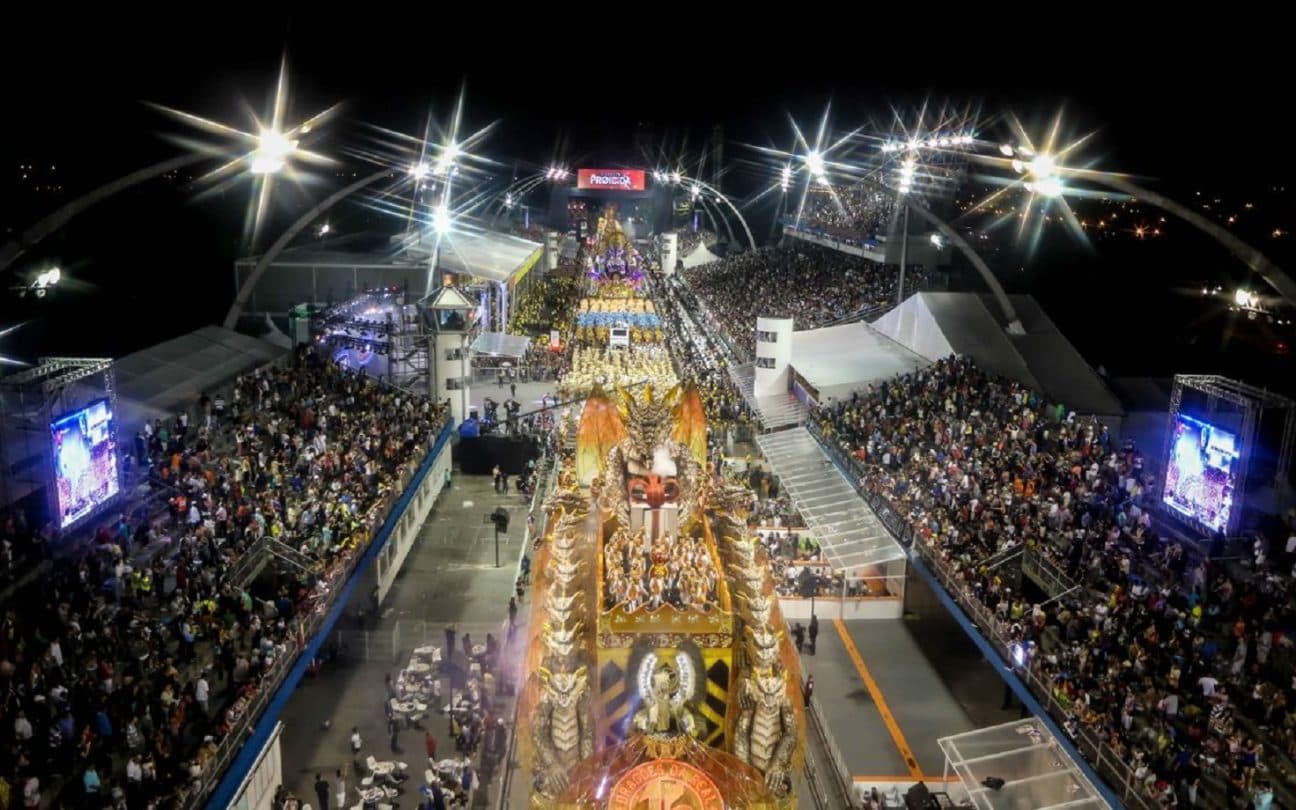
(854, 214)
(547, 303)
(140, 656)
(1183, 667)
(699, 361)
(814, 285)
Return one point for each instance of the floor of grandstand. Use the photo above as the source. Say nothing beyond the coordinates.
(776, 412)
(449, 576)
(847, 530)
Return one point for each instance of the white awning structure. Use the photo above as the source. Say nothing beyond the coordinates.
(700, 255)
(484, 254)
(1037, 772)
(837, 360)
(501, 344)
(845, 528)
(157, 381)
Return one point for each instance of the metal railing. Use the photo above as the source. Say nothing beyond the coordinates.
(1106, 762)
(295, 644)
(547, 481)
(845, 779)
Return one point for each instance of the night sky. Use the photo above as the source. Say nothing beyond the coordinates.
(1188, 109)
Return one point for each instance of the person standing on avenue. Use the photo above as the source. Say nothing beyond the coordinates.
(322, 791)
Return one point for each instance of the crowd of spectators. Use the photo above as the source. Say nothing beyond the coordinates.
(1182, 666)
(140, 656)
(813, 285)
(700, 362)
(854, 214)
(548, 303)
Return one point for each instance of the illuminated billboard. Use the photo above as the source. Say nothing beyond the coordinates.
(84, 445)
(1201, 473)
(610, 179)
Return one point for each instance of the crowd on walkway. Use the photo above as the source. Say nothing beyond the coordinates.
(1183, 667)
(147, 651)
(813, 285)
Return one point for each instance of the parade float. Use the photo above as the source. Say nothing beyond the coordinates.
(660, 675)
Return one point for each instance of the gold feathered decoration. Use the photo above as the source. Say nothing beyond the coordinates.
(601, 429)
(690, 425)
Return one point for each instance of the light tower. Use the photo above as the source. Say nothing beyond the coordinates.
(450, 316)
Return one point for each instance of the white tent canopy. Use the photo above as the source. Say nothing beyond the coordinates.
(700, 255)
(837, 360)
(485, 254)
(158, 381)
(501, 344)
(1037, 772)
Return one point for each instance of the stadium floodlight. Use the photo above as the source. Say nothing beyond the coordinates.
(1049, 186)
(815, 162)
(508, 200)
(937, 241)
(694, 191)
(675, 178)
(441, 220)
(272, 152)
(1042, 166)
(324, 229)
(419, 170)
(785, 178)
(1244, 298)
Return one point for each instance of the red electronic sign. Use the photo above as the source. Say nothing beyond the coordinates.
(611, 179)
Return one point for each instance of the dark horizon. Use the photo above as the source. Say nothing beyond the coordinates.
(164, 258)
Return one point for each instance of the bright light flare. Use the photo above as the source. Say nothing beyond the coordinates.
(937, 241)
(1245, 298)
(419, 170)
(1043, 166)
(272, 152)
(441, 220)
(814, 161)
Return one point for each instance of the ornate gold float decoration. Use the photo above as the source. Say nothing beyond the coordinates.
(651, 609)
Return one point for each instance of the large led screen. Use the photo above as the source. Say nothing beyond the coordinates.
(1201, 473)
(85, 461)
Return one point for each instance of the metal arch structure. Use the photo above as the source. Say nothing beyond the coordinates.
(912, 203)
(751, 240)
(15, 248)
(706, 209)
(956, 239)
(272, 253)
(1260, 264)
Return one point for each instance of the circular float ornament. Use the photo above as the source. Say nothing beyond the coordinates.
(665, 784)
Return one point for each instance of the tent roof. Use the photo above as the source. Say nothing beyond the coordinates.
(485, 254)
(939, 324)
(1038, 773)
(837, 360)
(158, 380)
(470, 250)
(501, 344)
(700, 255)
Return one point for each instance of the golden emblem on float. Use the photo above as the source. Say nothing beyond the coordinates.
(665, 784)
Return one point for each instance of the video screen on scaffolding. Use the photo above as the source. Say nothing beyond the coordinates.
(1201, 473)
(85, 461)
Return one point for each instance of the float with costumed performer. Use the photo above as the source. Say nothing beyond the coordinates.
(661, 671)
(614, 263)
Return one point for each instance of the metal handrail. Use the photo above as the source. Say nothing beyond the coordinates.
(232, 742)
(1105, 761)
